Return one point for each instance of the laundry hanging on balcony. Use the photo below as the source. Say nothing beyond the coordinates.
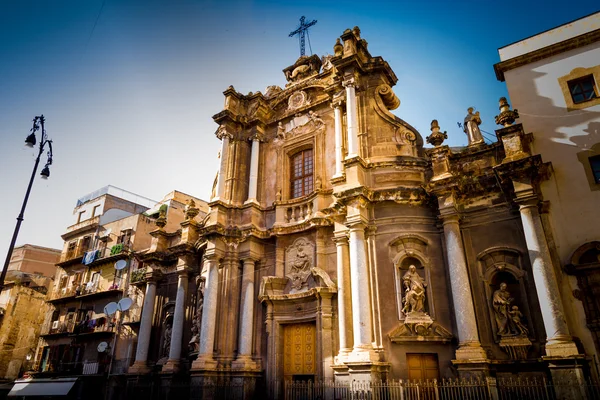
(90, 257)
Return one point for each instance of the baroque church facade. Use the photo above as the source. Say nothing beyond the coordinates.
(337, 247)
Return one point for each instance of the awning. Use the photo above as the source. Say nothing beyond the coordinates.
(43, 387)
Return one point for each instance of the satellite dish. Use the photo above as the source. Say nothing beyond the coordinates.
(119, 265)
(125, 303)
(111, 308)
(102, 347)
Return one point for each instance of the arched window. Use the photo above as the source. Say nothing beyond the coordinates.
(302, 173)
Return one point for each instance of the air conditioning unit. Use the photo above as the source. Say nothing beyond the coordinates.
(55, 324)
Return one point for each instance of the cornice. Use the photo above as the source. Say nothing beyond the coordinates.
(545, 52)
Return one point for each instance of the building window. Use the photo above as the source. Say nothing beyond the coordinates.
(302, 173)
(81, 216)
(583, 89)
(124, 237)
(595, 164)
(95, 210)
(422, 366)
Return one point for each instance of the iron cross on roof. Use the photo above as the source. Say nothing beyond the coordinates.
(301, 31)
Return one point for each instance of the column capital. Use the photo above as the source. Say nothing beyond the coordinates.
(527, 202)
(249, 260)
(370, 230)
(453, 218)
(153, 275)
(349, 83)
(184, 270)
(340, 238)
(354, 226)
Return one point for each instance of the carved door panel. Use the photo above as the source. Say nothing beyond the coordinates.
(422, 366)
(299, 351)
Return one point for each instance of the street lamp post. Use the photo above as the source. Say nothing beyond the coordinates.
(38, 122)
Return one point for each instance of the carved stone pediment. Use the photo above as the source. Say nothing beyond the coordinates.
(299, 261)
(304, 67)
(420, 328)
(300, 125)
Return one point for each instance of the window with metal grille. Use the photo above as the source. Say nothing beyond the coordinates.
(302, 173)
(595, 164)
(583, 89)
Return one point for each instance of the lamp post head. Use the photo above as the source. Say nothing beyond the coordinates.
(45, 172)
(30, 141)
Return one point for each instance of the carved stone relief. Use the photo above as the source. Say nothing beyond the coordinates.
(299, 260)
(298, 99)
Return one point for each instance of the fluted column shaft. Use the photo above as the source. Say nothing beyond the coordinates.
(141, 354)
(359, 278)
(178, 316)
(464, 310)
(557, 330)
(209, 312)
(247, 307)
(352, 117)
(343, 294)
(253, 180)
(223, 167)
(337, 112)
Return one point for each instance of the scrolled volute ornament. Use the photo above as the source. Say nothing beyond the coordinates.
(436, 138)
(507, 116)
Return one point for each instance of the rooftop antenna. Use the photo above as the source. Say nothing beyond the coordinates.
(301, 31)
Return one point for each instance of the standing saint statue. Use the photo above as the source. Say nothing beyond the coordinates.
(167, 341)
(501, 301)
(414, 291)
(471, 127)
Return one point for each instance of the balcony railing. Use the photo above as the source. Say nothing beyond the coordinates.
(58, 327)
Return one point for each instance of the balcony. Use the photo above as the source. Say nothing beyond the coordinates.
(58, 328)
(63, 294)
(110, 253)
(74, 229)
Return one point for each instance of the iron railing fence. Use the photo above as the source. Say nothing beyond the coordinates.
(443, 389)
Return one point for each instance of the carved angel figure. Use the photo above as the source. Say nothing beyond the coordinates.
(414, 291)
(314, 117)
(516, 316)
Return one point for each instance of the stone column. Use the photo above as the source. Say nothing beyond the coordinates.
(205, 358)
(559, 341)
(469, 346)
(174, 361)
(253, 181)
(361, 302)
(223, 168)
(244, 359)
(140, 365)
(343, 297)
(337, 112)
(352, 117)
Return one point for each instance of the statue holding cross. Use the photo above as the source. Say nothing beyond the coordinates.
(301, 31)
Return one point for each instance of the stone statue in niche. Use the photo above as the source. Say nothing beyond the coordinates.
(414, 291)
(471, 127)
(167, 341)
(194, 343)
(508, 317)
(299, 259)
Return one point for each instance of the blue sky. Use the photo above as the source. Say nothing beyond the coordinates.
(128, 87)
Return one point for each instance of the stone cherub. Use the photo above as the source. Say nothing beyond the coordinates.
(516, 316)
